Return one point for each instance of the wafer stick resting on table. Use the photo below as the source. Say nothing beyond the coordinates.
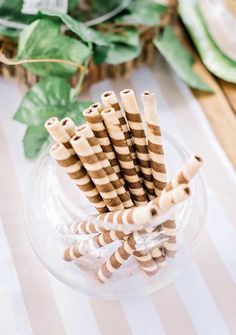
(78, 174)
(122, 193)
(96, 172)
(139, 137)
(154, 142)
(124, 157)
(94, 119)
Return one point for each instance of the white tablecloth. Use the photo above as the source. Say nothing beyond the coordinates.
(202, 300)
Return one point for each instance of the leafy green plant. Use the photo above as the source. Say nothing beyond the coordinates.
(52, 96)
(54, 46)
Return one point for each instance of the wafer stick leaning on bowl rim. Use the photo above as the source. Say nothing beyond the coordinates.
(65, 156)
(110, 100)
(124, 157)
(96, 172)
(129, 246)
(94, 119)
(136, 126)
(122, 193)
(186, 173)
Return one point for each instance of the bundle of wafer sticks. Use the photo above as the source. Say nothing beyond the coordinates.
(117, 160)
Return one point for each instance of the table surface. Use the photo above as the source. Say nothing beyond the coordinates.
(202, 300)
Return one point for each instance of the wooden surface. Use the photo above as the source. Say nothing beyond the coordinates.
(220, 106)
(220, 110)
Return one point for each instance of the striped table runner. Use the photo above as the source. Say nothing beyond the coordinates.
(202, 300)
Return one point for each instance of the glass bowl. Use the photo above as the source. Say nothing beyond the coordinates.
(52, 200)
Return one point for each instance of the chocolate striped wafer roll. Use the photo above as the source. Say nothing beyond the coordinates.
(159, 257)
(69, 126)
(118, 258)
(123, 194)
(84, 247)
(96, 172)
(110, 100)
(124, 157)
(139, 137)
(146, 262)
(58, 133)
(154, 142)
(89, 226)
(165, 202)
(73, 167)
(187, 172)
(94, 119)
(140, 215)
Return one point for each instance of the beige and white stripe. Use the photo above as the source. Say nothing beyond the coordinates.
(139, 137)
(124, 157)
(123, 194)
(154, 142)
(96, 172)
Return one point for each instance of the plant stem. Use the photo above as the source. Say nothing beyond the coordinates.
(77, 88)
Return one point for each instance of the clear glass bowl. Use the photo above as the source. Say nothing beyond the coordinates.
(51, 199)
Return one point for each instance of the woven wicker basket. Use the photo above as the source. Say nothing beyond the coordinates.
(96, 72)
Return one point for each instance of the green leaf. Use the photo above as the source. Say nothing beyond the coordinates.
(49, 97)
(34, 140)
(123, 46)
(43, 39)
(179, 58)
(9, 32)
(141, 12)
(212, 57)
(85, 33)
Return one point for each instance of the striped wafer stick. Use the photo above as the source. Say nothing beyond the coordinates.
(140, 215)
(146, 262)
(69, 126)
(124, 157)
(96, 172)
(110, 100)
(89, 226)
(187, 172)
(171, 198)
(84, 247)
(159, 257)
(165, 202)
(124, 195)
(93, 117)
(139, 137)
(154, 142)
(73, 167)
(118, 258)
(58, 133)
